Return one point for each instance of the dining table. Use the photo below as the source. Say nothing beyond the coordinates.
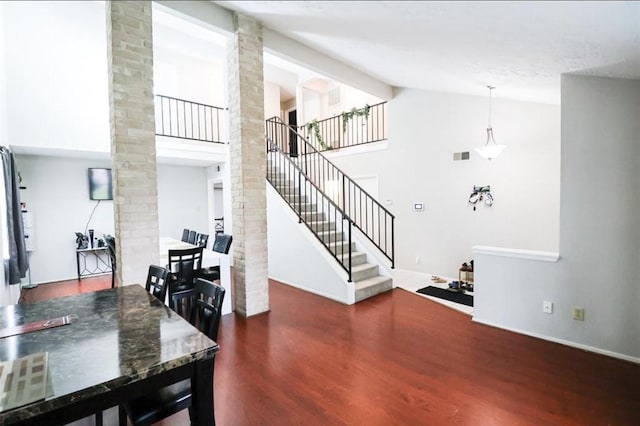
(209, 258)
(116, 345)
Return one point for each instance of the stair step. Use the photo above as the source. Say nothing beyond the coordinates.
(313, 216)
(275, 174)
(292, 197)
(324, 225)
(372, 286)
(331, 236)
(286, 190)
(363, 272)
(305, 207)
(284, 184)
(357, 258)
(341, 248)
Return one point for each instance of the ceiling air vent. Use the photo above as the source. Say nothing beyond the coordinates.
(458, 156)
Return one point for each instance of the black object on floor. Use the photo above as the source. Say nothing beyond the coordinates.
(452, 296)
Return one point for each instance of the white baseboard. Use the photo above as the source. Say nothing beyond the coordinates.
(564, 342)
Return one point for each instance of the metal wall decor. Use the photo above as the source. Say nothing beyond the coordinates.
(481, 194)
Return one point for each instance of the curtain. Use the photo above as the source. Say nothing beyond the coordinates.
(18, 262)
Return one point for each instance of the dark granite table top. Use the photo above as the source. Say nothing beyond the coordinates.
(117, 336)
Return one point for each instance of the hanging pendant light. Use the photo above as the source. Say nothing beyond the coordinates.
(490, 149)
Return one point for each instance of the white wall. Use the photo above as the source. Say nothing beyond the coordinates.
(186, 77)
(600, 238)
(354, 98)
(217, 173)
(425, 129)
(300, 260)
(58, 196)
(182, 200)
(271, 100)
(599, 232)
(56, 71)
(56, 76)
(3, 80)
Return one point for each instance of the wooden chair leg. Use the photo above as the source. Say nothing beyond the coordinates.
(122, 416)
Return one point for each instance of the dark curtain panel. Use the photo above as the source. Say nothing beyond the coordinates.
(18, 263)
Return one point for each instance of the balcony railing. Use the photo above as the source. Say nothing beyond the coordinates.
(355, 127)
(178, 118)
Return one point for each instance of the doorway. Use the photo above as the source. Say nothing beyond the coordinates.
(292, 119)
(216, 207)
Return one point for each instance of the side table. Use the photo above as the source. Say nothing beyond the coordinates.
(93, 261)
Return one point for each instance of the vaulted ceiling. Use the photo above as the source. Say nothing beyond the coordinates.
(520, 47)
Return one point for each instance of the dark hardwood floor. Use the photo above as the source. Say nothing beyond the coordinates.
(398, 359)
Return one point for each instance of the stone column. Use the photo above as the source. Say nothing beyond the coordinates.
(133, 141)
(248, 166)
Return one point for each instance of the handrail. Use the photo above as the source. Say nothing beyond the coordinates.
(179, 118)
(367, 214)
(281, 161)
(333, 133)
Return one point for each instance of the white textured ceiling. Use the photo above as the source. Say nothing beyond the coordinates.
(520, 47)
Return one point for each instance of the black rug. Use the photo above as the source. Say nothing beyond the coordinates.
(452, 296)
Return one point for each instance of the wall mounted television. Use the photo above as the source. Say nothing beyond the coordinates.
(100, 184)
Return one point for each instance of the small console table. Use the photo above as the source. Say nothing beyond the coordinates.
(93, 261)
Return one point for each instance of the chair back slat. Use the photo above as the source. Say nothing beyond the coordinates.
(202, 240)
(192, 237)
(157, 282)
(111, 245)
(201, 306)
(222, 243)
(183, 267)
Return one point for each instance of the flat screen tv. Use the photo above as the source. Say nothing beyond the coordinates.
(100, 184)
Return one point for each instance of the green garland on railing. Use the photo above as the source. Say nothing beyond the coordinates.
(346, 116)
(312, 126)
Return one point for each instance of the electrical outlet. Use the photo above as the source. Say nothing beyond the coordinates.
(547, 307)
(417, 260)
(578, 313)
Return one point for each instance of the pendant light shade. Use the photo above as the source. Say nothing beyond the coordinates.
(490, 149)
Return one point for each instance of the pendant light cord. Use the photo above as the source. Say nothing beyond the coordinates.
(490, 90)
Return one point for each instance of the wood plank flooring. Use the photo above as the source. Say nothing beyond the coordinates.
(398, 359)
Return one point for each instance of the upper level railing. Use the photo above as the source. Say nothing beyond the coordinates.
(355, 127)
(183, 119)
(367, 214)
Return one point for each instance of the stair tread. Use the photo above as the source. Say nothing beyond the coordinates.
(363, 267)
(330, 231)
(353, 253)
(369, 282)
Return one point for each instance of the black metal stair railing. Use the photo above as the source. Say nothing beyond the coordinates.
(318, 212)
(178, 118)
(355, 127)
(365, 212)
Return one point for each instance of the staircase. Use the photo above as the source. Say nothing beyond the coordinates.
(293, 179)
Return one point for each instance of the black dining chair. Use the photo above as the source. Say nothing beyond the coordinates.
(202, 307)
(192, 237)
(157, 282)
(221, 244)
(183, 266)
(111, 248)
(202, 240)
(185, 235)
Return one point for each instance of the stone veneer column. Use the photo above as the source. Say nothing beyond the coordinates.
(133, 141)
(248, 166)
